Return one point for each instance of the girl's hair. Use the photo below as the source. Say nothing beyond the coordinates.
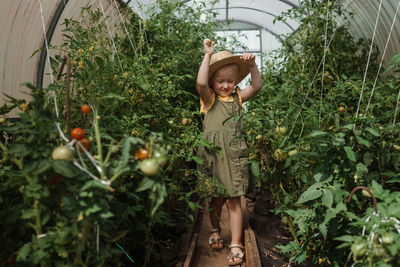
(210, 82)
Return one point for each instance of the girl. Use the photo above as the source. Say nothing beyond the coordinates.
(218, 75)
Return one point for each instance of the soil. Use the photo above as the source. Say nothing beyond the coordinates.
(268, 231)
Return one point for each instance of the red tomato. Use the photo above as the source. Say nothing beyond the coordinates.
(78, 133)
(85, 108)
(142, 154)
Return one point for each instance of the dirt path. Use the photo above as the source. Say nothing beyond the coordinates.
(205, 256)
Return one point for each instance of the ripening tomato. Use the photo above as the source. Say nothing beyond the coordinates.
(149, 167)
(62, 152)
(85, 143)
(185, 121)
(85, 108)
(78, 134)
(142, 154)
(341, 109)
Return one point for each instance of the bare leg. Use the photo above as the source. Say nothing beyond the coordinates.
(215, 215)
(236, 222)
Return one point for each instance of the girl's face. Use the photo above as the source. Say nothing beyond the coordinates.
(224, 80)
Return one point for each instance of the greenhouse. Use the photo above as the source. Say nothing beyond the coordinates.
(200, 133)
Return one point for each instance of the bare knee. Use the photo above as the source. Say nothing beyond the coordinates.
(233, 204)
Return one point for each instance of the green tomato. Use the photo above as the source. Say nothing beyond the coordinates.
(292, 152)
(387, 239)
(365, 193)
(285, 220)
(160, 157)
(149, 167)
(282, 130)
(358, 249)
(62, 152)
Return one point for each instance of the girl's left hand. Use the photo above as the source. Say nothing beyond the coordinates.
(249, 59)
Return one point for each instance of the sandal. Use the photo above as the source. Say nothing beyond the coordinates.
(232, 255)
(215, 240)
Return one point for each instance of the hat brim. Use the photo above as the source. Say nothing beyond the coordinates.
(243, 67)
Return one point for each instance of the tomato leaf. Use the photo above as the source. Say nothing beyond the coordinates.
(145, 184)
(309, 195)
(327, 198)
(64, 168)
(372, 131)
(350, 154)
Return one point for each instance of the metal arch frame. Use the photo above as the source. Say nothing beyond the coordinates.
(49, 36)
(255, 9)
(283, 1)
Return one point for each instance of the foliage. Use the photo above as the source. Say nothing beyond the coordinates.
(140, 85)
(313, 139)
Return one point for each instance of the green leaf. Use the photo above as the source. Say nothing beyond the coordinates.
(327, 198)
(323, 229)
(112, 95)
(64, 168)
(197, 159)
(157, 195)
(372, 131)
(24, 252)
(106, 215)
(344, 238)
(42, 166)
(92, 209)
(309, 195)
(316, 133)
(363, 142)
(145, 184)
(255, 169)
(368, 158)
(350, 154)
(192, 206)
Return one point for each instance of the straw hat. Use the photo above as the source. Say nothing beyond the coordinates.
(224, 58)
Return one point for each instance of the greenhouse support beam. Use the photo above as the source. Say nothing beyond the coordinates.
(49, 35)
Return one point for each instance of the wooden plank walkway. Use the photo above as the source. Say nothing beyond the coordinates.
(204, 255)
(201, 255)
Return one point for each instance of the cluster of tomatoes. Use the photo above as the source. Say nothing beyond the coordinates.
(64, 152)
(151, 161)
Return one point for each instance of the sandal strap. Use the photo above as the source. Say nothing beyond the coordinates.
(215, 240)
(236, 246)
(215, 230)
(236, 255)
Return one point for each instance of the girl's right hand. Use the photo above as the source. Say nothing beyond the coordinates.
(207, 48)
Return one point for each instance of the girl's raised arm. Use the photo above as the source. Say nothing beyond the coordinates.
(256, 82)
(202, 77)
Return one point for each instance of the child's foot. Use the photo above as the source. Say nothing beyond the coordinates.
(237, 254)
(215, 240)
